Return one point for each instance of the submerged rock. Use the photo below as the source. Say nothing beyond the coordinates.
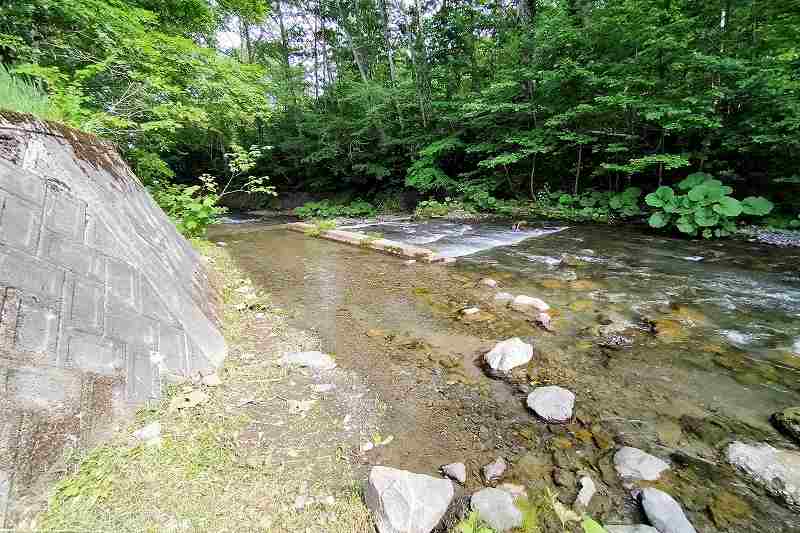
(455, 471)
(664, 512)
(496, 508)
(494, 470)
(552, 403)
(544, 320)
(313, 359)
(529, 304)
(503, 297)
(509, 354)
(404, 502)
(633, 464)
(788, 422)
(776, 470)
(489, 282)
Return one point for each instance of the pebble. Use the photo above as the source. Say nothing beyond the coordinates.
(503, 297)
(313, 359)
(489, 282)
(494, 470)
(526, 303)
(509, 354)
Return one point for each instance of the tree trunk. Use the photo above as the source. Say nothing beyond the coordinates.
(578, 171)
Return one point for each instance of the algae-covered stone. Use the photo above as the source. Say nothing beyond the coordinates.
(778, 471)
(788, 422)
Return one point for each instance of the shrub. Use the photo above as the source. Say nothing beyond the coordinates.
(706, 207)
(328, 209)
(436, 209)
(23, 96)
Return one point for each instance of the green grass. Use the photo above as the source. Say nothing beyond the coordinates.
(23, 96)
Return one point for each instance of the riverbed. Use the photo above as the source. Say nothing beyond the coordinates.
(710, 340)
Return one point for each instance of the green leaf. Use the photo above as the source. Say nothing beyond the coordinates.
(705, 217)
(693, 180)
(756, 206)
(729, 207)
(660, 197)
(590, 526)
(658, 220)
(686, 225)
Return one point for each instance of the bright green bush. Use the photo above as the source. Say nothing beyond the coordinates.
(705, 208)
(329, 209)
(23, 96)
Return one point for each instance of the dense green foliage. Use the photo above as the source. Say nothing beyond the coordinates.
(24, 96)
(497, 104)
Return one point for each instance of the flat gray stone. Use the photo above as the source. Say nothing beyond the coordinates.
(509, 354)
(776, 470)
(634, 528)
(455, 471)
(405, 502)
(496, 508)
(528, 304)
(633, 464)
(313, 359)
(664, 512)
(552, 403)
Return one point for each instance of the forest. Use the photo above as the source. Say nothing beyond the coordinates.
(586, 109)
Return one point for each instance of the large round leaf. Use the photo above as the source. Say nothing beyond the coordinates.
(729, 207)
(756, 206)
(693, 180)
(685, 224)
(658, 220)
(660, 197)
(706, 217)
(707, 193)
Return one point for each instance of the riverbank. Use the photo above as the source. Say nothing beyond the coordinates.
(255, 447)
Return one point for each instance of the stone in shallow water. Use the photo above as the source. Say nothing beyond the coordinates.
(776, 470)
(527, 304)
(489, 282)
(634, 464)
(664, 512)
(587, 492)
(496, 508)
(494, 470)
(788, 422)
(552, 403)
(317, 360)
(404, 502)
(455, 471)
(503, 297)
(509, 354)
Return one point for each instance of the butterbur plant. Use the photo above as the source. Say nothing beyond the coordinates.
(703, 206)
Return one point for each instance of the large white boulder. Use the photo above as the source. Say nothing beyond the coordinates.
(405, 502)
(776, 470)
(664, 512)
(633, 464)
(552, 403)
(496, 508)
(509, 354)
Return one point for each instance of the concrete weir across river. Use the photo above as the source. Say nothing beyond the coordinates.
(101, 300)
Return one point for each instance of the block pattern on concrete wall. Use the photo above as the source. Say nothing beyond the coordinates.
(101, 300)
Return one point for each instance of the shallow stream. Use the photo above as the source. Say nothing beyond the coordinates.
(710, 349)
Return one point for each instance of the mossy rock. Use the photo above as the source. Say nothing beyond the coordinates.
(788, 422)
(728, 510)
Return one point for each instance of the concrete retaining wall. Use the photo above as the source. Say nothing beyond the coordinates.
(101, 300)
